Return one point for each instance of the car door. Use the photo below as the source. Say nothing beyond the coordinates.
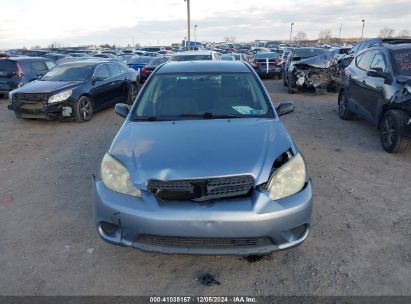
(119, 82)
(101, 92)
(357, 73)
(375, 88)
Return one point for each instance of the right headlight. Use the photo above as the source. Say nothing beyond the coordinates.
(288, 179)
(116, 177)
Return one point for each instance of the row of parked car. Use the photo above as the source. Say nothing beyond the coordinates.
(372, 79)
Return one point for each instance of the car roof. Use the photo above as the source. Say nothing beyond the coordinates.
(202, 52)
(216, 66)
(87, 62)
(25, 58)
(399, 46)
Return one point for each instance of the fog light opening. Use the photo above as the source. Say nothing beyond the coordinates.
(108, 228)
(298, 232)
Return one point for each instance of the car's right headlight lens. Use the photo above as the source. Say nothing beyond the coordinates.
(116, 177)
(288, 179)
(60, 96)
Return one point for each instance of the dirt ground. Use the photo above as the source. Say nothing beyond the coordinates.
(360, 243)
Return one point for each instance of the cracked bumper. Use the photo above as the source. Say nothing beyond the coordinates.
(256, 217)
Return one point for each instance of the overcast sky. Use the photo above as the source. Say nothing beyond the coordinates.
(149, 22)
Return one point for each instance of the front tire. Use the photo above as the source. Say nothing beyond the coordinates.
(83, 109)
(392, 131)
(132, 93)
(343, 111)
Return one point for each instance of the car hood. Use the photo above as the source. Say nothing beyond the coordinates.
(191, 149)
(321, 61)
(39, 86)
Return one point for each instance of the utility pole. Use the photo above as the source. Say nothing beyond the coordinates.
(188, 23)
(291, 31)
(362, 31)
(339, 35)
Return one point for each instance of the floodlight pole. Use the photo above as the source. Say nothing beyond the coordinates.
(362, 31)
(188, 24)
(291, 31)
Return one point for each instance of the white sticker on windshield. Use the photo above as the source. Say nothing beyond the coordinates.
(246, 110)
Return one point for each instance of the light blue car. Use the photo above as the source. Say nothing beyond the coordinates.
(203, 165)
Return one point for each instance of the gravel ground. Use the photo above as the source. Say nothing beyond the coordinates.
(359, 243)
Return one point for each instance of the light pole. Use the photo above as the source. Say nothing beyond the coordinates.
(291, 31)
(188, 23)
(362, 31)
(339, 34)
(195, 33)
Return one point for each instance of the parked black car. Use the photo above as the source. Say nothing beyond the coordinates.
(267, 65)
(377, 87)
(75, 90)
(17, 71)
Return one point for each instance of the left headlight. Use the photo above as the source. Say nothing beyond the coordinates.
(116, 177)
(60, 96)
(408, 87)
(288, 179)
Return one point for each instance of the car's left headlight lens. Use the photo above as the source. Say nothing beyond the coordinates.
(60, 96)
(116, 177)
(408, 87)
(288, 179)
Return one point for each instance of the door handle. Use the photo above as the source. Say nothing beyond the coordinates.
(363, 82)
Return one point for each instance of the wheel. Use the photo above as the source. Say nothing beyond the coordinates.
(291, 89)
(132, 93)
(343, 111)
(284, 81)
(83, 109)
(392, 131)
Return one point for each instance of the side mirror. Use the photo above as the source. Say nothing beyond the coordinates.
(97, 79)
(122, 109)
(377, 73)
(285, 107)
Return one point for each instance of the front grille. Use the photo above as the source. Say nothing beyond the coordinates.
(189, 242)
(202, 189)
(32, 106)
(30, 97)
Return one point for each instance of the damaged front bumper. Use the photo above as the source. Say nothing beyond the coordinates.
(41, 110)
(244, 226)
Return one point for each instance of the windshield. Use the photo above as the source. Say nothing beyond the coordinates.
(157, 61)
(7, 68)
(307, 53)
(191, 57)
(69, 73)
(402, 59)
(139, 60)
(182, 95)
(266, 55)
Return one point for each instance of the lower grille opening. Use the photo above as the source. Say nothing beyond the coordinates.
(204, 242)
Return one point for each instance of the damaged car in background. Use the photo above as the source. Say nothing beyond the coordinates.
(310, 68)
(75, 90)
(377, 87)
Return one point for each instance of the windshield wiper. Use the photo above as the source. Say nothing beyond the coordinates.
(147, 118)
(209, 115)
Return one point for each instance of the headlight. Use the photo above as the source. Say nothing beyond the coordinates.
(288, 179)
(11, 96)
(408, 88)
(116, 177)
(60, 96)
